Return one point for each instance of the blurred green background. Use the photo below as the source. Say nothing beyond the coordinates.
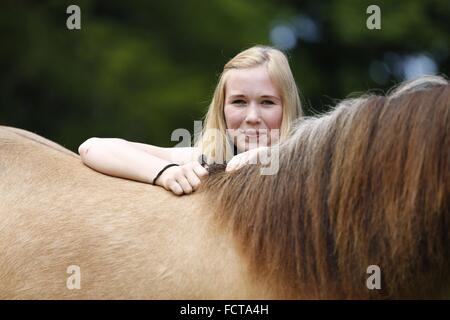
(140, 69)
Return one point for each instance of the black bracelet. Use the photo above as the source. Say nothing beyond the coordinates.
(162, 170)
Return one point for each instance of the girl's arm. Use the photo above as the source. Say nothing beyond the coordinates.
(141, 162)
(173, 155)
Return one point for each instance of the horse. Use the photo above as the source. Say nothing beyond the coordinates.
(130, 240)
(366, 184)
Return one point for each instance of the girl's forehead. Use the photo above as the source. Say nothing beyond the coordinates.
(251, 80)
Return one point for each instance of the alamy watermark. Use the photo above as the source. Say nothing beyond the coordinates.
(74, 280)
(374, 20)
(374, 280)
(73, 22)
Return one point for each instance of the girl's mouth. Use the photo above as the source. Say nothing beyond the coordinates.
(249, 132)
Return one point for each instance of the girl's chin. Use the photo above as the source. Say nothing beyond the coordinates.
(250, 145)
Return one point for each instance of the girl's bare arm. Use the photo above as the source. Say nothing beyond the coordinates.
(142, 162)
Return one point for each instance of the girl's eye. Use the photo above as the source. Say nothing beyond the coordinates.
(267, 102)
(238, 102)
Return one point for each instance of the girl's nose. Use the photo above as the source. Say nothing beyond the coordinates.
(252, 115)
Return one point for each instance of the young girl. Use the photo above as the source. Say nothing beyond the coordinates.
(255, 97)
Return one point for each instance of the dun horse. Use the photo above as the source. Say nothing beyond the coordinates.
(366, 184)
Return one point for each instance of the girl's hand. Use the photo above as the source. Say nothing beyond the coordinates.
(244, 158)
(183, 179)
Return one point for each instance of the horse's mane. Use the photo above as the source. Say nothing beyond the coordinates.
(365, 184)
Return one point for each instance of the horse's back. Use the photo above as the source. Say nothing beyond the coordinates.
(27, 135)
(130, 240)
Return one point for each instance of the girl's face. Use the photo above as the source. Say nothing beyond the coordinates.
(252, 108)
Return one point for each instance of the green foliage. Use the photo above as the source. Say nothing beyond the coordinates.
(140, 69)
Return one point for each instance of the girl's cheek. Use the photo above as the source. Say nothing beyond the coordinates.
(233, 117)
(273, 118)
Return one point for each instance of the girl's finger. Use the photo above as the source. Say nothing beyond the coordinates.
(231, 165)
(193, 180)
(239, 162)
(200, 171)
(184, 183)
(175, 188)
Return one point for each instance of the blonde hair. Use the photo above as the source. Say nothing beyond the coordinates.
(213, 141)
